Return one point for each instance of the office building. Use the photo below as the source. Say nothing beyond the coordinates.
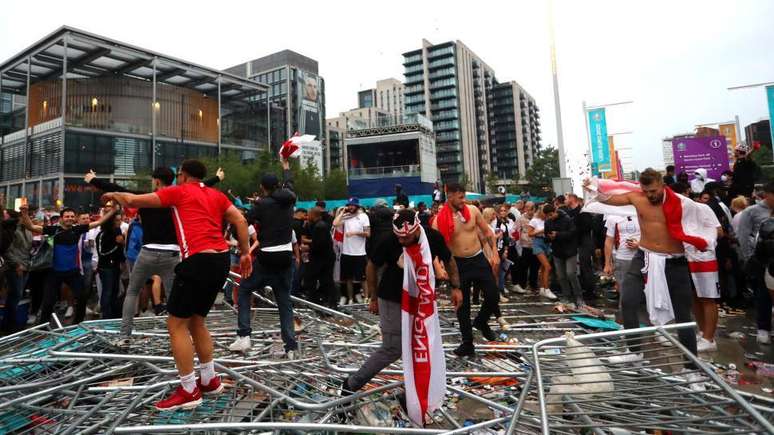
(758, 133)
(296, 93)
(394, 152)
(449, 84)
(388, 96)
(334, 148)
(95, 103)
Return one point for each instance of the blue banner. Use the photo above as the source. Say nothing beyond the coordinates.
(770, 98)
(600, 149)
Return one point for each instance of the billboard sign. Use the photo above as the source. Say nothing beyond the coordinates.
(310, 103)
(311, 154)
(708, 152)
(612, 174)
(600, 149)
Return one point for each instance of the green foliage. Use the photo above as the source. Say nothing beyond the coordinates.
(545, 166)
(763, 157)
(243, 177)
(491, 183)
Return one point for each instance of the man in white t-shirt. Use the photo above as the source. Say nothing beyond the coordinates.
(356, 228)
(621, 243)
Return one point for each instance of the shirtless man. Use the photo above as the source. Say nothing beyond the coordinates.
(654, 237)
(460, 225)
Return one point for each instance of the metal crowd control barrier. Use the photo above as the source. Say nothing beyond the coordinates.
(78, 379)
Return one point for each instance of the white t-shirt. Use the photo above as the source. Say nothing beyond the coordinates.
(437, 195)
(537, 224)
(628, 228)
(355, 245)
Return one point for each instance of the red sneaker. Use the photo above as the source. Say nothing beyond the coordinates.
(215, 386)
(181, 399)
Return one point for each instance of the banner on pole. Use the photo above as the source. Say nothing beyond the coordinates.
(770, 99)
(600, 149)
(729, 131)
(612, 174)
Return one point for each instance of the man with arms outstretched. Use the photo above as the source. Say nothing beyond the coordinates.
(198, 213)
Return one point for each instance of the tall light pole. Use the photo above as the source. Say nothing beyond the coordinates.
(557, 105)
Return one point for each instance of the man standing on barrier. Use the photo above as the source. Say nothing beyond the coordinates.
(198, 213)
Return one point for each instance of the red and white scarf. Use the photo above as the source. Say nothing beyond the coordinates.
(690, 222)
(424, 363)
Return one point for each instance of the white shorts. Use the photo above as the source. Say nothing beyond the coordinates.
(710, 289)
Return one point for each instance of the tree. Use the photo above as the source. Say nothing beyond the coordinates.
(465, 182)
(491, 181)
(335, 185)
(545, 166)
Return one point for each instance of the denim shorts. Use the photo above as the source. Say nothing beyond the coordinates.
(539, 246)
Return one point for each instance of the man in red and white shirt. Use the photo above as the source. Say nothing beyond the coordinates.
(198, 213)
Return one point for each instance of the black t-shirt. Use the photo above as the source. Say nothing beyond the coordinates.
(66, 249)
(387, 251)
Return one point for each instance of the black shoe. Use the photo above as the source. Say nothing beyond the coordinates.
(345, 389)
(402, 401)
(465, 350)
(485, 330)
(160, 309)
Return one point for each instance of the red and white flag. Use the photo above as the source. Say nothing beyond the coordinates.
(424, 363)
(292, 147)
(690, 222)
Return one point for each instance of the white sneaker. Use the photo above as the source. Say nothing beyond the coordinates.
(547, 293)
(343, 300)
(89, 311)
(696, 381)
(241, 344)
(704, 345)
(32, 319)
(358, 299)
(627, 358)
(663, 341)
(291, 355)
(518, 289)
(503, 299)
(764, 336)
(70, 311)
(503, 324)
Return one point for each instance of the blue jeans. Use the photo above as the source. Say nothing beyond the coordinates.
(279, 279)
(108, 301)
(15, 285)
(505, 265)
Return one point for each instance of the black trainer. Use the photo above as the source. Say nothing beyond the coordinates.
(486, 331)
(465, 350)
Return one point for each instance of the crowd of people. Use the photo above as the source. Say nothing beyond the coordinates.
(171, 251)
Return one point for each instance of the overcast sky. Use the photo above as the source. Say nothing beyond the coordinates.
(673, 58)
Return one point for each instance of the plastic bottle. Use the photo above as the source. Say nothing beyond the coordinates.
(732, 375)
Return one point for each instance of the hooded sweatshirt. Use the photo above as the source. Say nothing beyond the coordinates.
(699, 180)
(274, 216)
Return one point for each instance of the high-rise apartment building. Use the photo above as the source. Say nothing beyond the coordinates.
(449, 84)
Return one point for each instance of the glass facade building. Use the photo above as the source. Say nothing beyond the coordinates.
(88, 102)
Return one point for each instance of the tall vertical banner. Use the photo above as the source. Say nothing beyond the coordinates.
(770, 99)
(729, 131)
(612, 174)
(600, 149)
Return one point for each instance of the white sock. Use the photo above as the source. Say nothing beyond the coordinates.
(188, 382)
(207, 372)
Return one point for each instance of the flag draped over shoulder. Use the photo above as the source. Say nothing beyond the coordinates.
(424, 364)
(687, 221)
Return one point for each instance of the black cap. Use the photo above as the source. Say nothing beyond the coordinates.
(269, 181)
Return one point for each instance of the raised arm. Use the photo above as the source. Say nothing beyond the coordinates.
(219, 176)
(24, 219)
(103, 185)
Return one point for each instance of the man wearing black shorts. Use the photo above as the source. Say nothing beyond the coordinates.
(357, 229)
(198, 213)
